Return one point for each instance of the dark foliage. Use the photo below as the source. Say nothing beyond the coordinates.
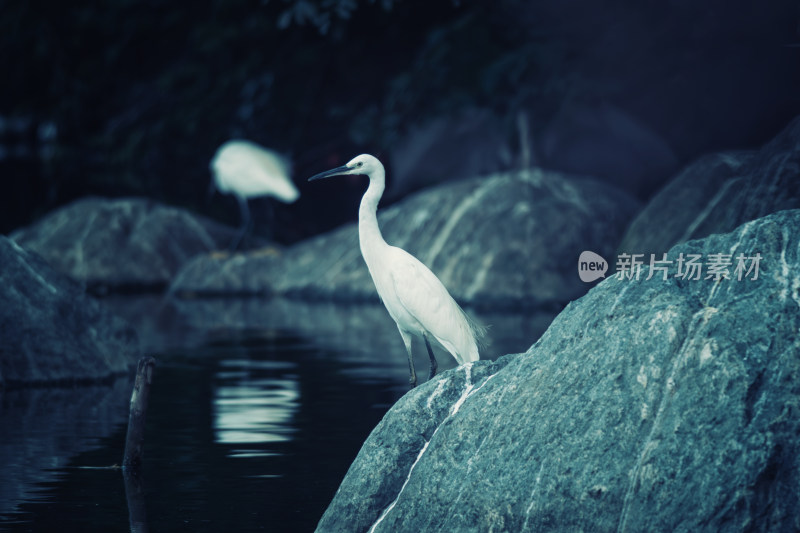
(133, 97)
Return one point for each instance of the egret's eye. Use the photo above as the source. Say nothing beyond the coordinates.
(360, 164)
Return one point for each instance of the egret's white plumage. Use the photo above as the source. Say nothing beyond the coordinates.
(413, 295)
(247, 170)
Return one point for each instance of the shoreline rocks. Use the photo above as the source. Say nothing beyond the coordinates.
(52, 331)
(648, 405)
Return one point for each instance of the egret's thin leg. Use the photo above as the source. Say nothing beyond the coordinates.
(434, 365)
(245, 211)
(407, 341)
(269, 215)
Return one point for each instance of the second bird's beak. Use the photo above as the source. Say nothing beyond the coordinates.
(332, 172)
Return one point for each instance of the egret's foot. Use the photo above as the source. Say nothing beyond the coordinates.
(432, 372)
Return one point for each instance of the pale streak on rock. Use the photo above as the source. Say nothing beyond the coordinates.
(791, 284)
(30, 269)
(458, 213)
(699, 320)
(469, 390)
(709, 208)
(480, 277)
(532, 497)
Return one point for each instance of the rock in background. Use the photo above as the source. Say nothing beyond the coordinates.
(124, 244)
(52, 331)
(508, 241)
(648, 405)
(718, 192)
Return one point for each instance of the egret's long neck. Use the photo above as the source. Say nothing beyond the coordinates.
(369, 234)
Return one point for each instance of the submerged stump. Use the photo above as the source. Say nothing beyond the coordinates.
(134, 443)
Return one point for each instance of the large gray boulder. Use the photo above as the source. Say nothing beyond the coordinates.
(648, 405)
(51, 331)
(123, 244)
(505, 241)
(718, 192)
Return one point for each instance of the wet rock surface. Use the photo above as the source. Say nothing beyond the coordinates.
(52, 331)
(661, 404)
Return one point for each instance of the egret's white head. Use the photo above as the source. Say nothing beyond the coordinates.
(362, 164)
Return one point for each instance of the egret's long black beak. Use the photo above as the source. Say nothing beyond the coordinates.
(332, 172)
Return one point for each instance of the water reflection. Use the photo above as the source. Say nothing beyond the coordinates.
(247, 432)
(41, 428)
(258, 407)
(254, 403)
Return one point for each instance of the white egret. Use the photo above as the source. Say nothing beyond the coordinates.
(247, 170)
(413, 295)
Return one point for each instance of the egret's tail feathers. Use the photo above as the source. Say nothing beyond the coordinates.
(478, 331)
(474, 340)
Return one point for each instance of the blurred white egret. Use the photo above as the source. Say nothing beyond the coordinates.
(413, 295)
(247, 170)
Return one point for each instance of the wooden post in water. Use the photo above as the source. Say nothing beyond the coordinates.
(134, 493)
(134, 443)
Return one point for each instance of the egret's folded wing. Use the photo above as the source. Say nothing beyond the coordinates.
(427, 300)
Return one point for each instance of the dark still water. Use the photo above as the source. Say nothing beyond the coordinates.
(249, 428)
